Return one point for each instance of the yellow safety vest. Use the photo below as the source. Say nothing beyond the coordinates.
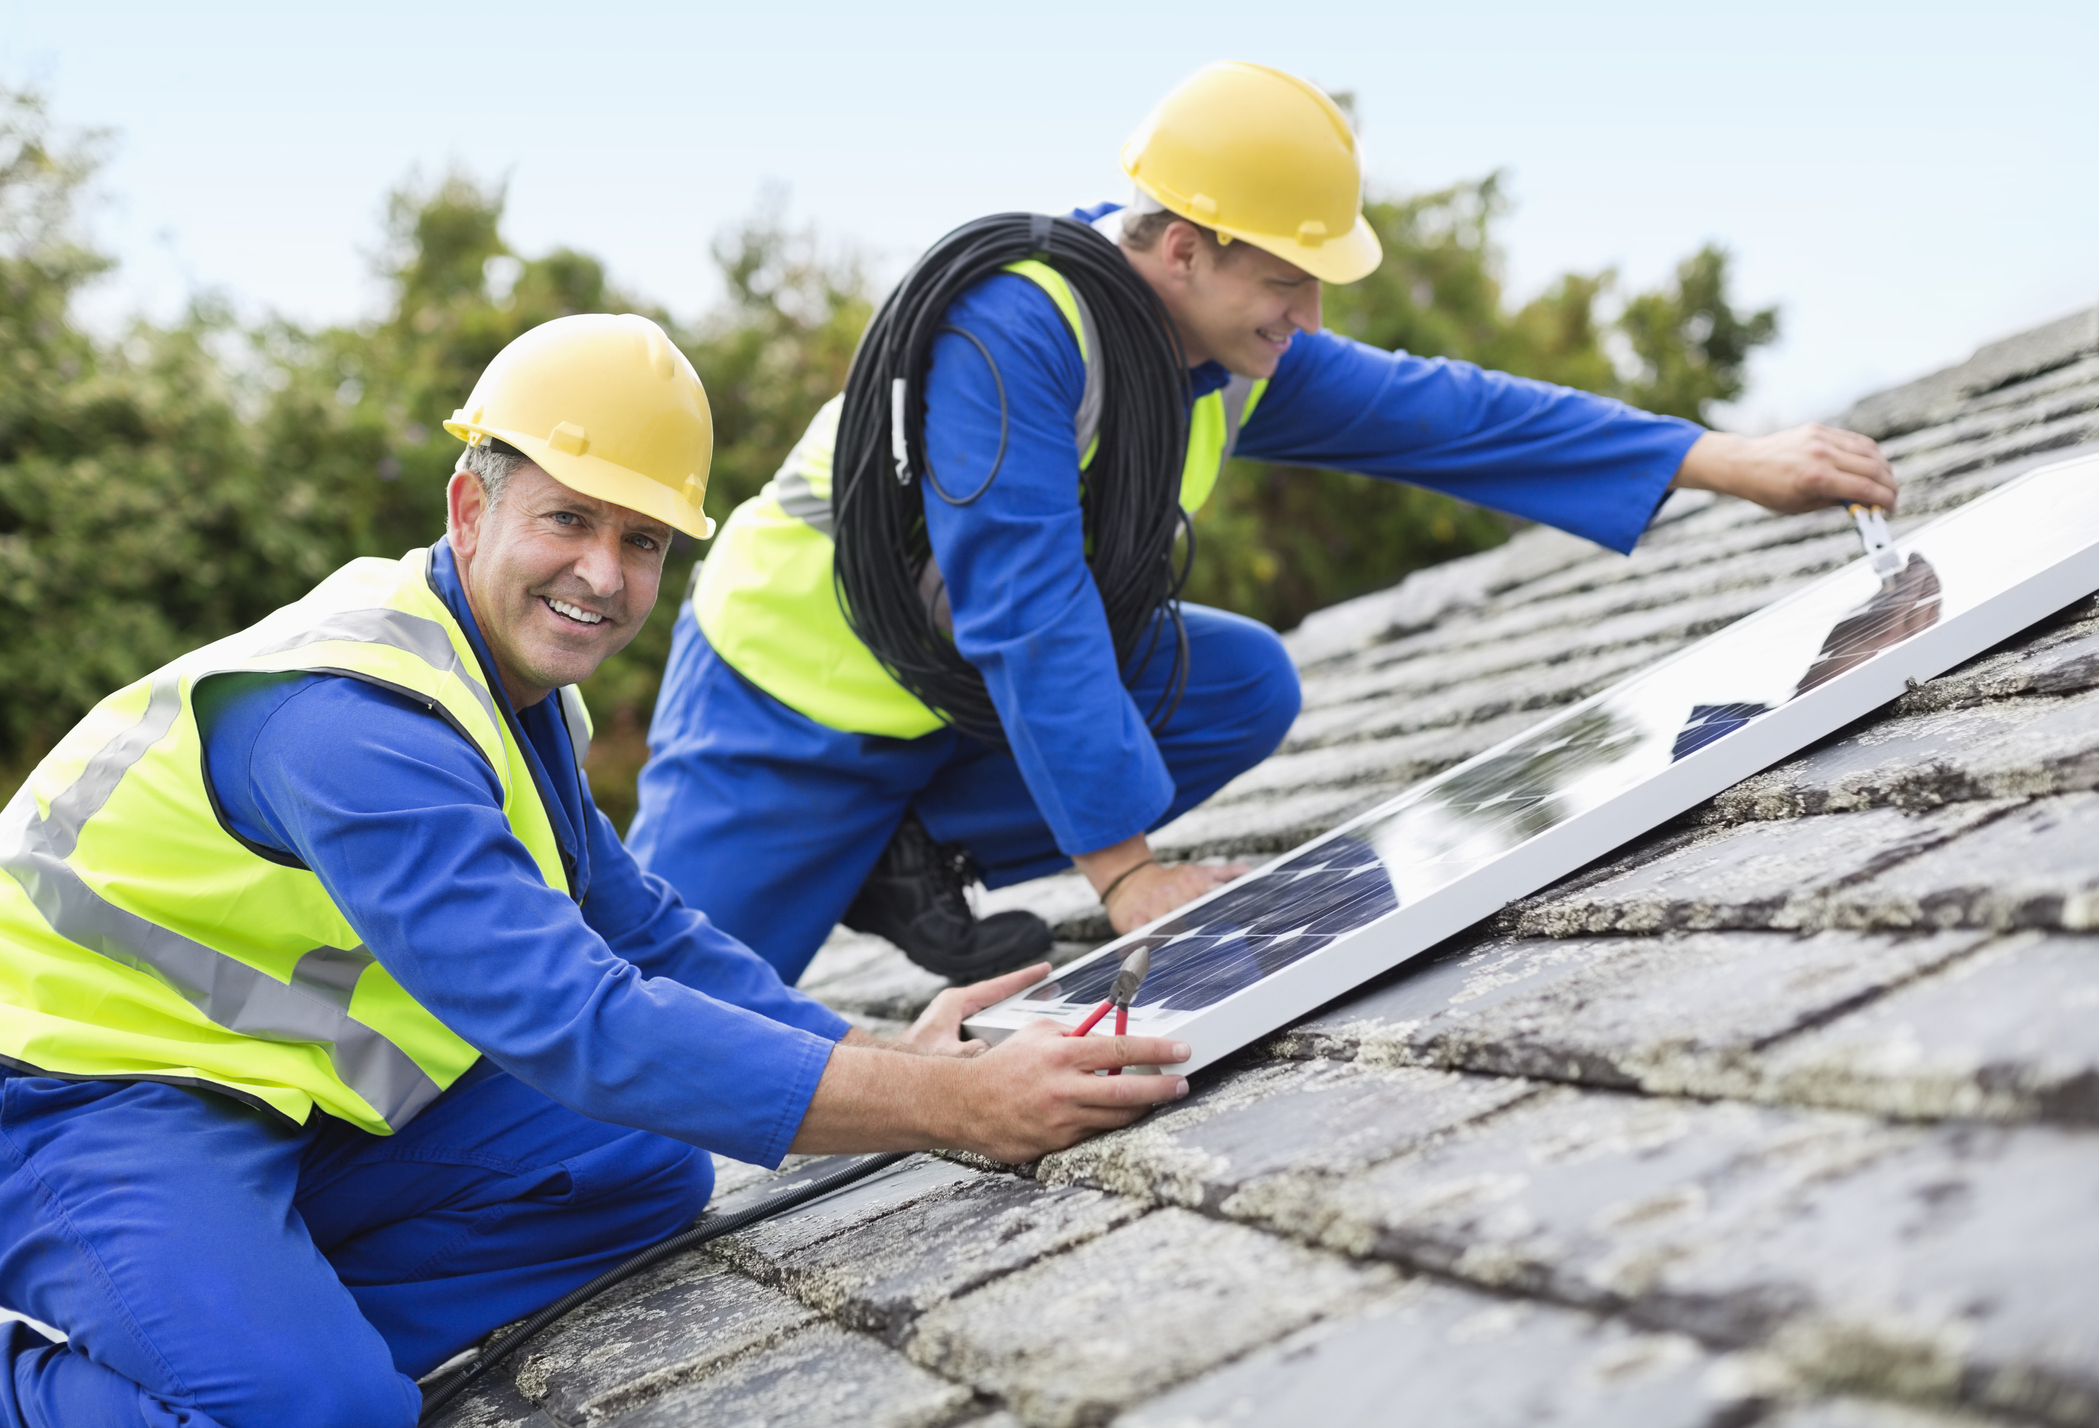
(140, 939)
(764, 597)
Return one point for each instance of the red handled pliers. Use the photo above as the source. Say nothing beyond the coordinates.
(1127, 983)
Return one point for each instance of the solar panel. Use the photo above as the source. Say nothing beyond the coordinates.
(1391, 883)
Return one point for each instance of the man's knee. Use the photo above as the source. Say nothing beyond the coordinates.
(693, 1179)
(1284, 695)
(1254, 673)
(669, 1186)
(332, 1372)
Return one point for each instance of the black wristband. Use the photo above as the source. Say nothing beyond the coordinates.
(1123, 876)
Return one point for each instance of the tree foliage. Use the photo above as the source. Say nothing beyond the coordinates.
(132, 525)
(170, 485)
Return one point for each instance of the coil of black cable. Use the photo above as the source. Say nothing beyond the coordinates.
(1129, 494)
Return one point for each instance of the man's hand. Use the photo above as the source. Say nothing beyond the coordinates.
(1158, 888)
(1135, 889)
(1036, 1091)
(1802, 469)
(938, 1030)
(1033, 1093)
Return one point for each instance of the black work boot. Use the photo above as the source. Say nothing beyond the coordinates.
(916, 897)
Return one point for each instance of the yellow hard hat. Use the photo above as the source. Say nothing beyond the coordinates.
(605, 405)
(1264, 157)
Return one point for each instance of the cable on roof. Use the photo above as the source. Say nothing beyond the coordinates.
(438, 1395)
(1129, 494)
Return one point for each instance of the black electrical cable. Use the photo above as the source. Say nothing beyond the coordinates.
(998, 458)
(789, 1194)
(1129, 493)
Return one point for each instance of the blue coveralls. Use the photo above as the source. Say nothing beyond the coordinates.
(213, 1264)
(772, 821)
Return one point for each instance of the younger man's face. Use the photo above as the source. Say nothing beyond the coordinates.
(1235, 304)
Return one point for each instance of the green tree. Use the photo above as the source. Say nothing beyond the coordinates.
(133, 524)
(1692, 346)
(166, 489)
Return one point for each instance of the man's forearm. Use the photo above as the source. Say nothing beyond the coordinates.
(1035, 1092)
(1135, 888)
(1102, 867)
(874, 1098)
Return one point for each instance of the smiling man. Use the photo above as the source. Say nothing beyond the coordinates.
(1247, 197)
(336, 1026)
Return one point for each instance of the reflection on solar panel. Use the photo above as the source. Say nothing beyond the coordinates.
(1392, 883)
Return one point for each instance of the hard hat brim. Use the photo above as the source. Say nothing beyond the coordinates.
(604, 480)
(1350, 258)
(1340, 261)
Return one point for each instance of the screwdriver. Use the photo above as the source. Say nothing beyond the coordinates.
(1881, 555)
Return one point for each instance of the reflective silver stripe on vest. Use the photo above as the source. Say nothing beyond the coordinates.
(397, 629)
(84, 797)
(799, 499)
(232, 994)
(314, 1007)
(1236, 393)
(1087, 425)
(578, 726)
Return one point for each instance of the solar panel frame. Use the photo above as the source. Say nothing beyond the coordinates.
(2001, 562)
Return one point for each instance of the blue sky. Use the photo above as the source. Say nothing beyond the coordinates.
(1906, 181)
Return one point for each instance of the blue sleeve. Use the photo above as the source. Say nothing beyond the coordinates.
(645, 922)
(403, 824)
(1027, 613)
(1586, 464)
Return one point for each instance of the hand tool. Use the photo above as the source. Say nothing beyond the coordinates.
(1127, 983)
(1872, 523)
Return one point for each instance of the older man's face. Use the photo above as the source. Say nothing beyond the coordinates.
(559, 581)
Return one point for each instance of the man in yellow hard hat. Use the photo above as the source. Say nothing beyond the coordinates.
(783, 735)
(336, 1026)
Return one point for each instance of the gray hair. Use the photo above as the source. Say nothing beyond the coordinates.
(494, 463)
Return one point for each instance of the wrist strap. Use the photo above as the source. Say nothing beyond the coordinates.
(1123, 877)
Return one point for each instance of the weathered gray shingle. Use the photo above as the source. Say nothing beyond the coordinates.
(666, 1328)
(1132, 1313)
(1431, 1353)
(821, 1375)
(1244, 1127)
(1682, 1014)
(881, 1273)
(2008, 1033)
(1752, 875)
